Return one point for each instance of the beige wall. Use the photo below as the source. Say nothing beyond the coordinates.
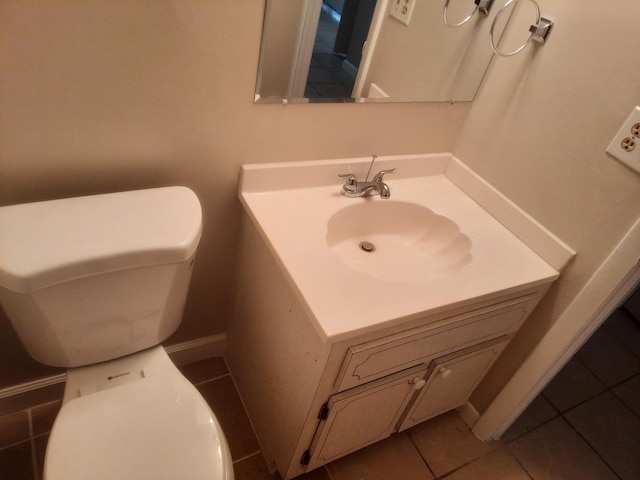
(429, 60)
(106, 95)
(99, 96)
(278, 47)
(538, 131)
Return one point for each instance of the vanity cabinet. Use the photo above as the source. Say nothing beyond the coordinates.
(363, 415)
(333, 348)
(312, 401)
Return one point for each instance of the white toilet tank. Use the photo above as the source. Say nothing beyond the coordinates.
(88, 279)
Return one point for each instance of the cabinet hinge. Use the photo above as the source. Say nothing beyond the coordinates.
(306, 456)
(324, 412)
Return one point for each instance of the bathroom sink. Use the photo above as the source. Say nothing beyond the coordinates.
(362, 264)
(397, 241)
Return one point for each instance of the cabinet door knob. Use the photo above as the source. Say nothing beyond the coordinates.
(444, 372)
(418, 383)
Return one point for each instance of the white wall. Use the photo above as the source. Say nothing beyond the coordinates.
(538, 131)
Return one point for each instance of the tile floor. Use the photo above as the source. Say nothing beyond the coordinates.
(327, 80)
(585, 425)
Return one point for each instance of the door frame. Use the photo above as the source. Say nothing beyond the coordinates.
(379, 16)
(309, 19)
(607, 289)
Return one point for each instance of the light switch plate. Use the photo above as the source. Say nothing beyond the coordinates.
(625, 146)
(401, 10)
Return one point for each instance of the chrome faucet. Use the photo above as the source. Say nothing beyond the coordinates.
(353, 188)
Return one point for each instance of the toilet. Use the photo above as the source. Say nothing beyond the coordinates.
(95, 284)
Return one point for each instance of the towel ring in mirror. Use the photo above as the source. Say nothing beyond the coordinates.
(481, 5)
(539, 31)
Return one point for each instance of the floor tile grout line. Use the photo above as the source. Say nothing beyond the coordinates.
(606, 389)
(420, 453)
(327, 471)
(532, 429)
(593, 449)
(566, 420)
(209, 380)
(253, 429)
(622, 400)
(15, 444)
(32, 446)
(246, 457)
(515, 457)
(586, 400)
(457, 469)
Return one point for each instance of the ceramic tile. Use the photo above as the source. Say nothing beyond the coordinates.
(30, 399)
(332, 90)
(40, 447)
(329, 61)
(555, 452)
(446, 443)
(613, 430)
(608, 358)
(625, 328)
(547, 448)
(317, 474)
(225, 402)
(42, 416)
(208, 369)
(572, 385)
(253, 468)
(395, 457)
(15, 462)
(629, 393)
(497, 465)
(538, 412)
(14, 428)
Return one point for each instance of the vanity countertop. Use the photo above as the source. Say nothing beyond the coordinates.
(291, 205)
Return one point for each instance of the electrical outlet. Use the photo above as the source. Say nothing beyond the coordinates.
(625, 146)
(401, 10)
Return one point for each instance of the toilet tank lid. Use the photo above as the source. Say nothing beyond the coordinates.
(45, 243)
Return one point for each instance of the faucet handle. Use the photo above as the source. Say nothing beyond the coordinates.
(352, 180)
(381, 173)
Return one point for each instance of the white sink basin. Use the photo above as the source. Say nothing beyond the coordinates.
(397, 241)
(436, 247)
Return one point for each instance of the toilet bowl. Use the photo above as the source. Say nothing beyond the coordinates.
(95, 284)
(135, 418)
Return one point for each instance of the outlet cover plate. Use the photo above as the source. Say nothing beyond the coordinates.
(627, 134)
(401, 10)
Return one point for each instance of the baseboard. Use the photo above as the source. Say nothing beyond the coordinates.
(32, 386)
(180, 353)
(198, 349)
(469, 414)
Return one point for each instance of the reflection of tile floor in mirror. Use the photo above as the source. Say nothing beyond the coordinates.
(327, 78)
(585, 425)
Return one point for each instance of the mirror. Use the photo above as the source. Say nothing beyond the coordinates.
(355, 51)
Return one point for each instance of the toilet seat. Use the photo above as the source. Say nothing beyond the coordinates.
(155, 427)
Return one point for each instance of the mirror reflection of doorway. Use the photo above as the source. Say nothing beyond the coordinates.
(342, 32)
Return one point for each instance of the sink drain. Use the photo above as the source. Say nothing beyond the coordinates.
(367, 247)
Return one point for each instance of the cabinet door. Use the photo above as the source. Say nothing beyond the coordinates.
(364, 415)
(451, 379)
